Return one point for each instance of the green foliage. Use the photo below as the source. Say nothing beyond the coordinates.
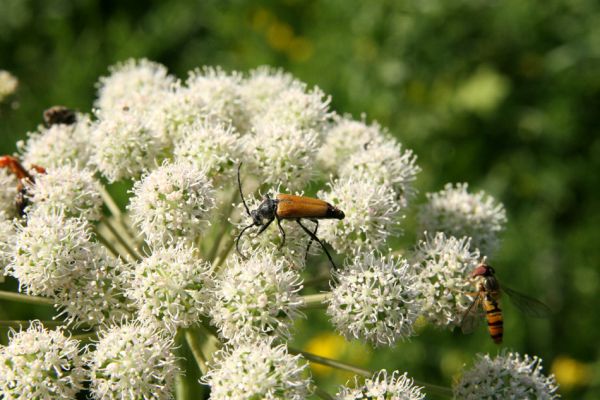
(501, 94)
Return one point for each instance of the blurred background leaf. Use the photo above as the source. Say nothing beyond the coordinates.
(501, 94)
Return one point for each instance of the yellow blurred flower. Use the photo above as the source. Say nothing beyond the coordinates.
(570, 372)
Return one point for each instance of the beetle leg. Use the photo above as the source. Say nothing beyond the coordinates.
(314, 237)
(262, 228)
(237, 241)
(316, 221)
(281, 231)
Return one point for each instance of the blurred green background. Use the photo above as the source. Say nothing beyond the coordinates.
(504, 95)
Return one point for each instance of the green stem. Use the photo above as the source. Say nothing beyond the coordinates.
(127, 244)
(224, 227)
(440, 390)
(196, 348)
(21, 323)
(86, 337)
(323, 394)
(317, 280)
(106, 242)
(223, 254)
(110, 202)
(24, 298)
(316, 301)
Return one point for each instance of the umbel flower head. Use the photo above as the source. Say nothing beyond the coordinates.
(256, 297)
(257, 370)
(372, 215)
(58, 144)
(40, 364)
(50, 251)
(375, 299)
(8, 193)
(506, 376)
(7, 240)
(458, 213)
(443, 265)
(169, 287)
(172, 204)
(382, 386)
(133, 361)
(67, 189)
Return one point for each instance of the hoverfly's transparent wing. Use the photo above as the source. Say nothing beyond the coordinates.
(527, 305)
(472, 317)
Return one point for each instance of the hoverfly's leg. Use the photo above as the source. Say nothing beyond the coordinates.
(316, 221)
(280, 231)
(314, 237)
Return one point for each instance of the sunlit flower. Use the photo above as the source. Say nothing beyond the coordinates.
(382, 387)
(255, 297)
(172, 203)
(8, 193)
(131, 362)
(40, 364)
(169, 287)
(374, 298)
(262, 87)
(8, 84)
(444, 265)
(507, 376)
(7, 240)
(459, 213)
(257, 371)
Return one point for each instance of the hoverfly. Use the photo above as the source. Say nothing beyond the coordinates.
(488, 296)
(291, 207)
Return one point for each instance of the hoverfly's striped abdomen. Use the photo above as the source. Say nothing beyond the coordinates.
(494, 319)
(290, 207)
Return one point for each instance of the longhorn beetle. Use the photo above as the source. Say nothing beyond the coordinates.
(287, 206)
(13, 164)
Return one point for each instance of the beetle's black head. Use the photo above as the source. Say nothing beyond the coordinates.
(265, 211)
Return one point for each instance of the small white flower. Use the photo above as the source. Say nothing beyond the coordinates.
(168, 287)
(135, 84)
(97, 296)
(375, 299)
(507, 376)
(40, 364)
(255, 297)
(213, 147)
(172, 203)
(444, 265)
(8, 193)
(262, 87)
(220, 93)
(58, 144)
(372, 215)
(382, 387)
(345, 138)
(459, 213)
(386, 163)
(125, 144)
(282, 154)
(132, 362)
(257, 371)
(50, 251)
(8, 84)
(67, 189)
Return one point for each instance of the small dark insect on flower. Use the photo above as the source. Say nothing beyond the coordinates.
(287, 206)
(22, 175)
(59, 115)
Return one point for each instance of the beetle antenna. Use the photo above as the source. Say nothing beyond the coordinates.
(242, 194)
(237, 241)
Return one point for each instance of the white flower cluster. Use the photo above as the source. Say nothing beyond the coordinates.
(169, 287)
(443, 265)
(256, 297)
(133, 361)
(40, 364)
(258, 371)
(172, 204)
(507, 376)
(382, 386)
(8, 193)
(458, 213)
(374, 298)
